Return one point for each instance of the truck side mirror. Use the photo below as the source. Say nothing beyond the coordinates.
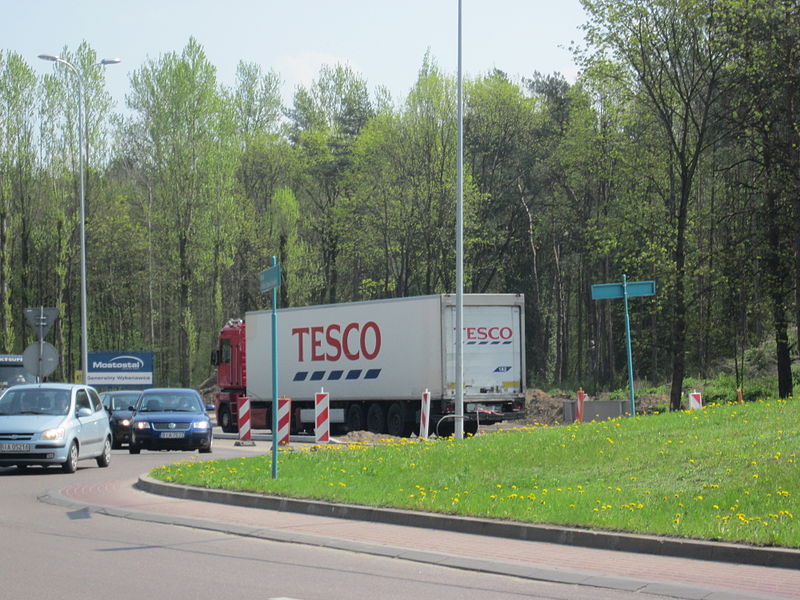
(214, 358)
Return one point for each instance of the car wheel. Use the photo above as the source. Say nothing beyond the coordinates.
(22, 468)
(207, 449)
(133, 449)
(105, 458)
(71, 464)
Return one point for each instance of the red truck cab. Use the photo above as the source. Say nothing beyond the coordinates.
(230, 359)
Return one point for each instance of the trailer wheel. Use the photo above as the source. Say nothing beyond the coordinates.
(226, 422)
(355, 418)
(396, 423)
(376, 419)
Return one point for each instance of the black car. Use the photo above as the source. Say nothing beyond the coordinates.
(118, 404)
(170, 419)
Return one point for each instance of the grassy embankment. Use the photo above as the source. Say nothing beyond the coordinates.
(727, 472)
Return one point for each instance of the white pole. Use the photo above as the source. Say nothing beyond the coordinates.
(84, 302)
(459, 429)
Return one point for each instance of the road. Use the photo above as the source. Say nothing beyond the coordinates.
(53, 551)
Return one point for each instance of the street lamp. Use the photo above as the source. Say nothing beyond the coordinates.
(84, 311)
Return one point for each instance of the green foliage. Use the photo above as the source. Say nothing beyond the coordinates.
(672, 157)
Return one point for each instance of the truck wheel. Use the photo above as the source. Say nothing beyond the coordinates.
(376, 420)
(355, 418)
(396, 421)
(470, 427)
(226, 422)
(296, 426)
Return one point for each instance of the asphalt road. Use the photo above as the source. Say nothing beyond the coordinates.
(55, 551)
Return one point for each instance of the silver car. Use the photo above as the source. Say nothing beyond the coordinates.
(53, 424)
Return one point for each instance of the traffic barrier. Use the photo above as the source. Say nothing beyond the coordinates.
(322, 426)
(244, 423)
(695, 401)
(424, 414)
(284, 420)
(579, 405)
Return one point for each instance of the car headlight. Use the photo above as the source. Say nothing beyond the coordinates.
(124, 422)
(53, 434)
(200, 425)
(142, 425)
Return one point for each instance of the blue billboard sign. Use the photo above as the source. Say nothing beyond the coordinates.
(120, 369)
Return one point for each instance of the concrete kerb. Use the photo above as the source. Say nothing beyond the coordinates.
(786, 558)
(560, 575)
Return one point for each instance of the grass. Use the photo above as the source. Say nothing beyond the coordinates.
(727, 472)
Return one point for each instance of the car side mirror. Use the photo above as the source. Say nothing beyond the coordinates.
(84, 412)
(209, 407)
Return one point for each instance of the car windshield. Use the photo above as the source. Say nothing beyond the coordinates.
(170, 402)
(39, 401)
(120, 401)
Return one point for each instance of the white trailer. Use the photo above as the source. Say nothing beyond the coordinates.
(376, 358)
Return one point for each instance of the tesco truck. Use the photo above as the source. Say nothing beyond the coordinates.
(375, 359)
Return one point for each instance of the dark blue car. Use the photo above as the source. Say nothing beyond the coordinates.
(118, 404)
(170, 419)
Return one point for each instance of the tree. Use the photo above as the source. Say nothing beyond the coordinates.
(187, 161)
(17, 167)
(764, 39)
(326, 120)
(672, 48)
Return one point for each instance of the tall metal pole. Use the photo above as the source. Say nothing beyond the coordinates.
(84, 302)
(628, 344)
(459, 429)
(274, 377)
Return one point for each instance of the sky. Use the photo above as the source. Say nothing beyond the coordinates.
(385, 42)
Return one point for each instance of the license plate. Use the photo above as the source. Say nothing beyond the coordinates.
(15, 447)
(172, 435)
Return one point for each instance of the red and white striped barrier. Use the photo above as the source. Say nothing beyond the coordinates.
(244, 421)
(424, 415)
(695, 401)
(284, 420)
(322, 427)
(579, 405)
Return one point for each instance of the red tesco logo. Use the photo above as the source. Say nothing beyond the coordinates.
(495, 334)
(353, 341)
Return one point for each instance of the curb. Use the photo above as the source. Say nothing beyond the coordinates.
(493, 567)
(786, 558)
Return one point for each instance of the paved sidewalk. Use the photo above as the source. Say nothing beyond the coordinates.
(669, 576)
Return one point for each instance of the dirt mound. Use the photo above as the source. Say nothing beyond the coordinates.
(364, 437)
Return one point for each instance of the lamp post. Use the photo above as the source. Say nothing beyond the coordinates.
(84, 311)
(459, 400)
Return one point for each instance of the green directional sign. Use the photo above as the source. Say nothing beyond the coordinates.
(625, 290)
(271, 278)
(609, 291)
